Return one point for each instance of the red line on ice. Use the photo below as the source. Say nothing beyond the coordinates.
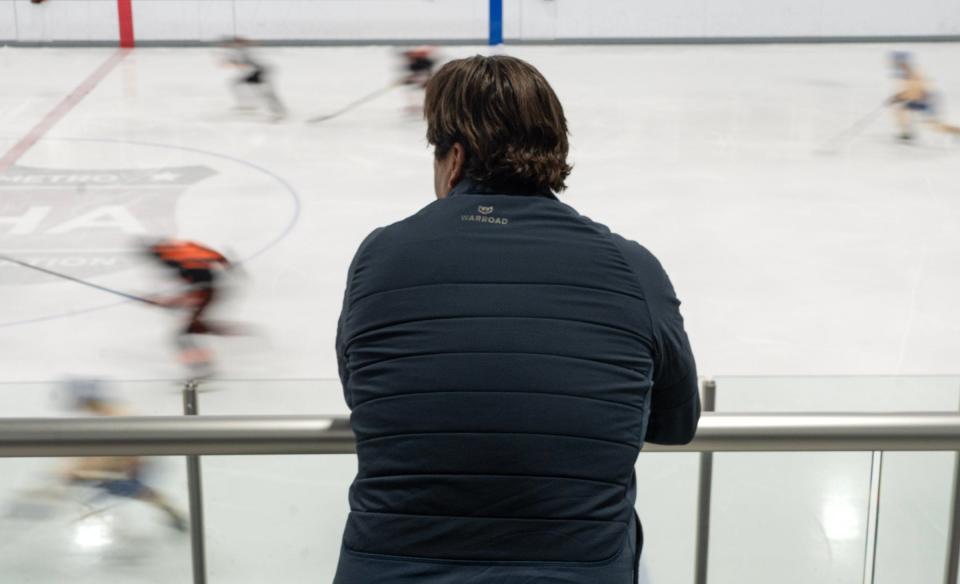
(125, 16)
(56, 114)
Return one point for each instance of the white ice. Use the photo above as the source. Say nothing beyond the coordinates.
(788, 262)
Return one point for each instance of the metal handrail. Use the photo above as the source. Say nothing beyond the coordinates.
(227, 435)
(194, 435)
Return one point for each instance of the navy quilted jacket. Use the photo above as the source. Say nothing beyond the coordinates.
(504, 359)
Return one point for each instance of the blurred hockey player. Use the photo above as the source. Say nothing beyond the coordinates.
(108, 476)
(117, 476)
(253, 87)
(418, 67)
(200, 268)
(915, 98)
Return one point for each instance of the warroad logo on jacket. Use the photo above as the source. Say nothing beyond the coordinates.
(483, 216)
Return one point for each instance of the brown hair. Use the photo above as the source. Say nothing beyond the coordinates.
(507, 118)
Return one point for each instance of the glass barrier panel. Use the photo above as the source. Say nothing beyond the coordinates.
(913, 517)
(785, 517)
(103, 528)
(268, 397)
(667, 506)
(71, 397)
(275, 518)
(106, 527)
(838, 394)
(790, 518)
(913, 508)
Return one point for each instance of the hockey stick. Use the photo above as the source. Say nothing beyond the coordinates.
(79, 281)
(94, 511)
(834, 144)
(354, 104)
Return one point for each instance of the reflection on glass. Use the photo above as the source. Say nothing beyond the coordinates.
(841, 519)
(93, 532)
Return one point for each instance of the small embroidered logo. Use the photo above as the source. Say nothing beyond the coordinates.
(485, 210)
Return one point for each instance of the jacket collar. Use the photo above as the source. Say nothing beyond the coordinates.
(469, 186)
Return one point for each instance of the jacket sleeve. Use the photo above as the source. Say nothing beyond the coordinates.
(343, 333)
(675, 400)
(675, 405)
(342, 350)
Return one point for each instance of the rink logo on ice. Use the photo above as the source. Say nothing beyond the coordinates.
(484, 217)
(84, 222)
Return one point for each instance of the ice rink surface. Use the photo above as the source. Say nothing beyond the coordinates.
(788, 261)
